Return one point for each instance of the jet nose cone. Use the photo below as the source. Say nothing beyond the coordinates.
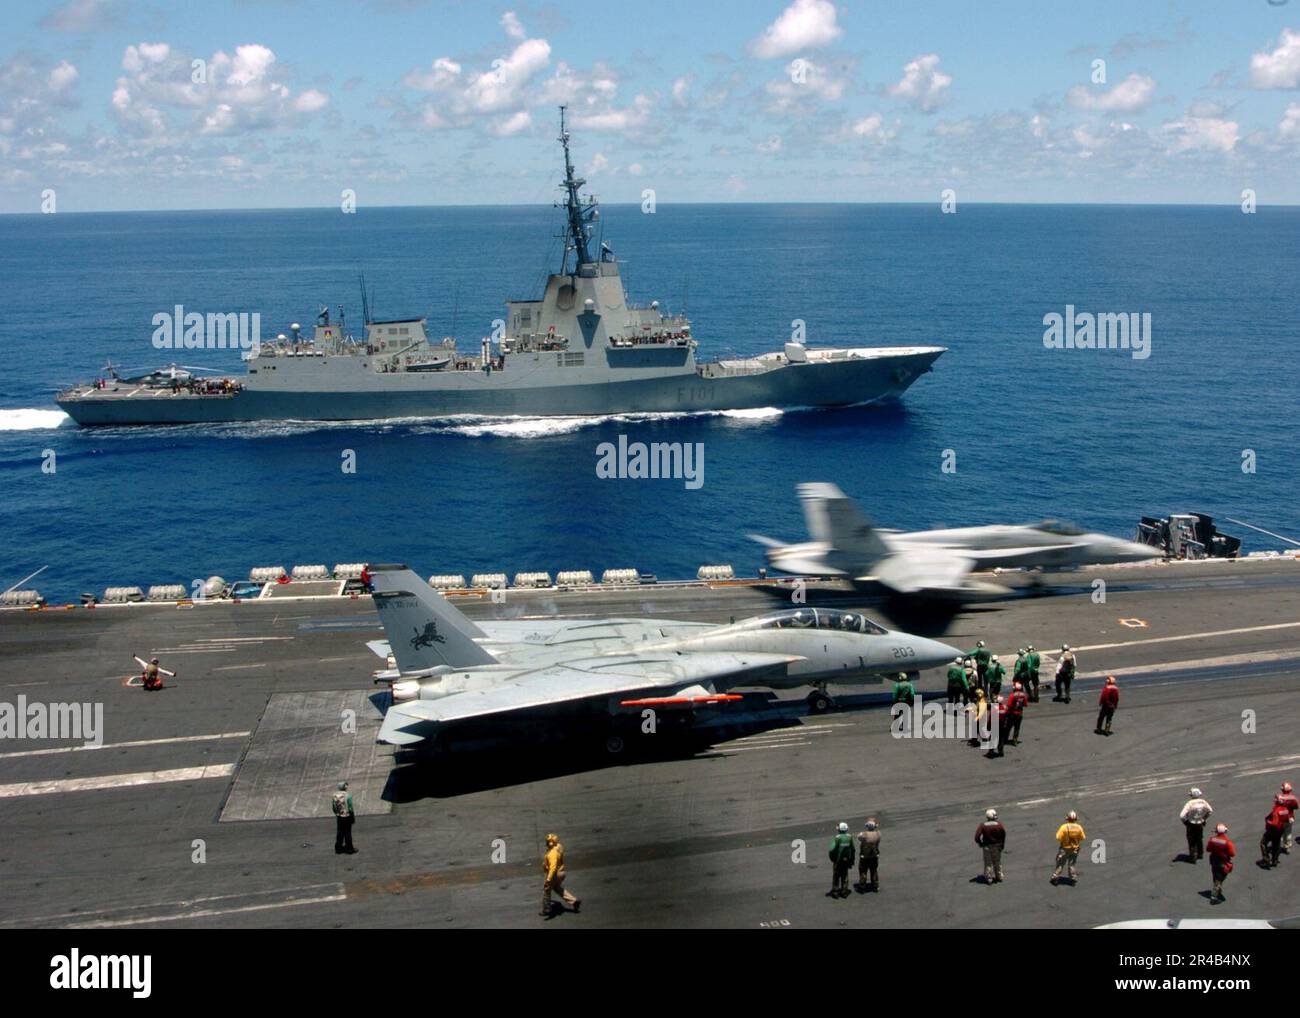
(932, 653)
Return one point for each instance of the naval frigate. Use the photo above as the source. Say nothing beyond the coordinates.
(582, 349)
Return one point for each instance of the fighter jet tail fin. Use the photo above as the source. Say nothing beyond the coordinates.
(835, 519)
(423, 629)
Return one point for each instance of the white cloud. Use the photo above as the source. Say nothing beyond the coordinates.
(923, 84)
(873, 128)
(681, 90)
(243, 90)
(1133, 93)
(513, 124)
(1209, 134)
(1281, 67)
(514, 28)
(310, 101)
(805, 82)
(804, 25)
(771, 146)
(82, 16)
(31, 94)
(1290, 125)
(442, 73)
(62, 76)
(500, 88)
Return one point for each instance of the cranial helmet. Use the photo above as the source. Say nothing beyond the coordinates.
(1072, 816)
(1196, 793)
(990, 814)
(552, 839)
(843, 827)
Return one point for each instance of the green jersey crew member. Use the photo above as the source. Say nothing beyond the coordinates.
(345, 816)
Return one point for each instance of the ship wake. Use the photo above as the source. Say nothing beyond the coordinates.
(32, 419)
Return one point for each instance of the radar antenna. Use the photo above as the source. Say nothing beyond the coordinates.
(577, 212)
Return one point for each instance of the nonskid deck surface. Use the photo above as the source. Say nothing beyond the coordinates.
(254, 726)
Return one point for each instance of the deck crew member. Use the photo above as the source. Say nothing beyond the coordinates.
(1015, 708)
(904, 690)
(1293, 804)
(991, 837)
(1196, 812)
(1003, 720)
(1069, 836)
(996, 673)
(841, 856)
(975, 712)
(344, 817)
(553, 881)
(1270, 845)
(1106, 704)
(869, 855)
(981, 656)
(956, 681)
(1064, 674)
(1032, 662)
(152, 678)
(1221, 852)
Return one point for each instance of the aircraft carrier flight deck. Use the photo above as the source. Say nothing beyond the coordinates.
(208, 802)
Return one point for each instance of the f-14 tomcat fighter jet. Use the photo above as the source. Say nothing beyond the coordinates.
(934, 563)
(450, 669)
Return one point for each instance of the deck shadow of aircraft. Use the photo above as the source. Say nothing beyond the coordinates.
(484, 762)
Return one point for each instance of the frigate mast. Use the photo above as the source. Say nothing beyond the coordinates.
(578, 212)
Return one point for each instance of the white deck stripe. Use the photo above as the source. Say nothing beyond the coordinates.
(204, 913)
(1011, 655)
(127, 745)
(116, 781)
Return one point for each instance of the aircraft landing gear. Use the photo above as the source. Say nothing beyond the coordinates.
(819, 701)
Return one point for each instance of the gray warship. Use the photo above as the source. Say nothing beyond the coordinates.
(580, 350)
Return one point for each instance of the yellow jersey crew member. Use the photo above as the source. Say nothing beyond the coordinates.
(1069, 837)
(553, 867)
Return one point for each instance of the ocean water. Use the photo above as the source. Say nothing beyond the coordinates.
(1095, 437)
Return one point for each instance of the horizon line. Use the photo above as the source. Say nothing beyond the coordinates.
(635, 204)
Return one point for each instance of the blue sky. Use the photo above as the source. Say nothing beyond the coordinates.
(414, 102)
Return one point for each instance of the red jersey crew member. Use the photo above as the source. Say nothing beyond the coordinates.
(1275, 824)
(1106, 704)
(1221, 851)
(1293, 804)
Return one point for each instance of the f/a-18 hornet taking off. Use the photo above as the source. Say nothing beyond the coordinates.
(934, 563)
(450, 669)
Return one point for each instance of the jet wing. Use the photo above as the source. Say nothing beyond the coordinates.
(556, 685)
(935, 574)
(380, 648)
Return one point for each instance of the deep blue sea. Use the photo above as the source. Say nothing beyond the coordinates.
(1095, 437)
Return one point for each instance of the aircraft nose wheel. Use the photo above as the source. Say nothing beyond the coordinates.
(819, 702)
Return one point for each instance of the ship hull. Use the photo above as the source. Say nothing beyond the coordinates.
(826, 384)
